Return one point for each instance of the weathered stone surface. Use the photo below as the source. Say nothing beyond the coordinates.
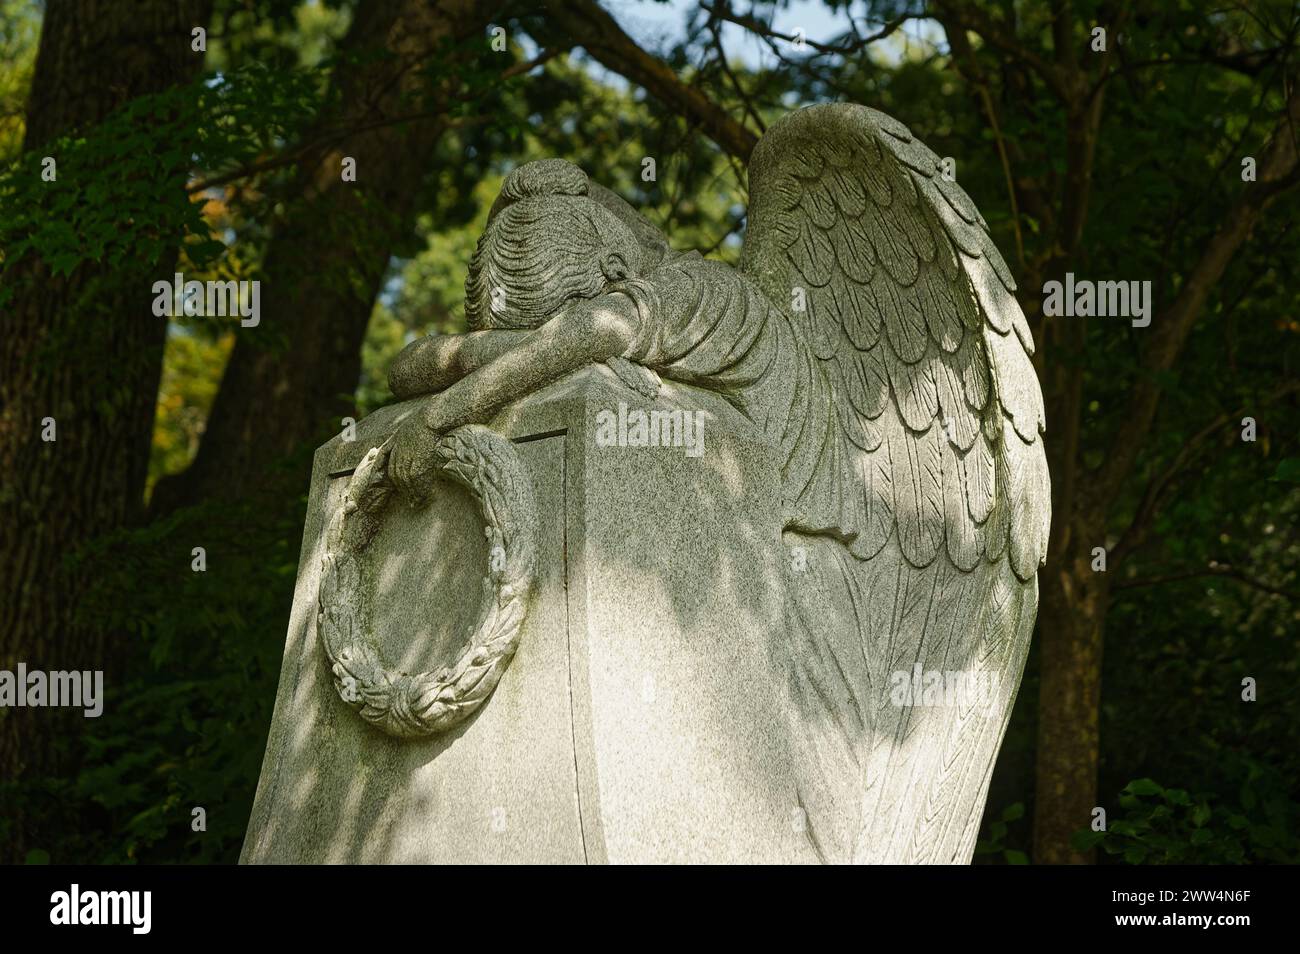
(797, 640)
(642, 717)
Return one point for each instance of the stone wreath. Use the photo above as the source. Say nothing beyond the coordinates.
(415, 705)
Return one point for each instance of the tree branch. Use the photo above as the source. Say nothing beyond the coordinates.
(969, 17)
(1278, 170)
(731, 76)
(1154, 494)
(329, 139)
(723, 11)
(1214, 569)
(589, 26)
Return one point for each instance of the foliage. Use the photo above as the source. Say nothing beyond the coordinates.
(19, 27)
(191, 373)
(186, 726)
(993, 846)
(1171, 826)
(106, 205)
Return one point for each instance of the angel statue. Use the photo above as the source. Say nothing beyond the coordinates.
(871, 336)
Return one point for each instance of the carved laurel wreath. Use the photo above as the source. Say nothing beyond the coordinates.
(413, 705)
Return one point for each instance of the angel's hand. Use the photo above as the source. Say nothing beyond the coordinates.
(411, 458)
(587, 331)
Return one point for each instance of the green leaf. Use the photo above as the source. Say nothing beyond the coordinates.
(1288, 471)
(1144, 786)
(1086, 839)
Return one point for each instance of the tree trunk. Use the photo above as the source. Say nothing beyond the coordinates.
(1075, 599)
(1071, 628)
(92, 368)
(290, 380)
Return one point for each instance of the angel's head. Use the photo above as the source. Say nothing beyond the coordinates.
(547, 242)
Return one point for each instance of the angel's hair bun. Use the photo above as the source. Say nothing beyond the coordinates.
(540, 177)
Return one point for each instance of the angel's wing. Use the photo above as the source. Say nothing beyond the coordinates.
(934, 478)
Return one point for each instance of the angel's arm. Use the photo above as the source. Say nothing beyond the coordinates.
(590, 330)
(439, 361)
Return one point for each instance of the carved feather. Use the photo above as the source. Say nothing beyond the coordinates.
(933, 458)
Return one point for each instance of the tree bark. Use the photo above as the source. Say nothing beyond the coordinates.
(1075, 599)
(290, 380)
(1071, 631)
(92, 368)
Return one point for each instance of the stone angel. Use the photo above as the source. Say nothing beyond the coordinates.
(871, 335)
